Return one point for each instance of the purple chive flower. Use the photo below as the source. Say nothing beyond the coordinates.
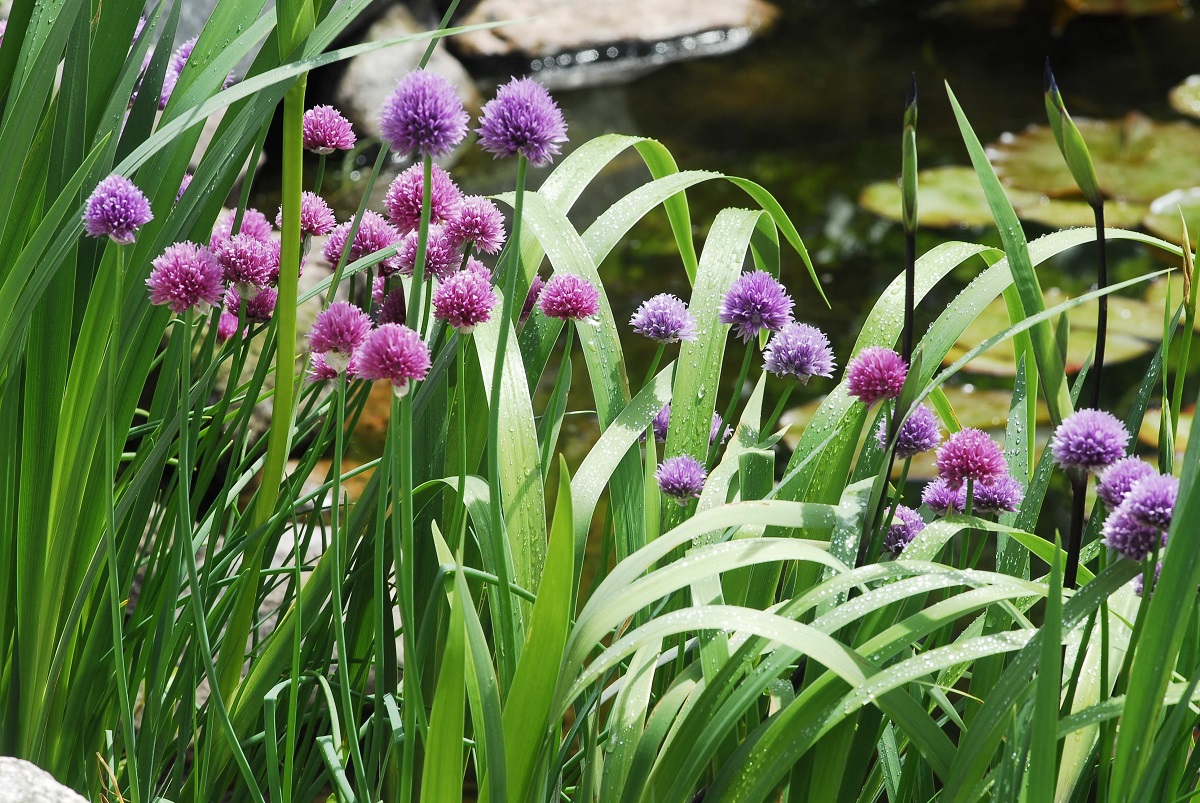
(185, 276)
(226, 326)
(875, 373)
(184, 183)
(1151, 500)
(337, 332)
(756, 301)
(374, 234)
(1128, 536)
(943, 499)
(248, 263)
(799, 350)
(179, 59)
(1117, 479)
(906, 523)
(970, 455)
(522, 119)
(531, 298)
(325, 130)
(479, 223)
(465, 299)
(424, 115)
(395, 353)
(254, 224)
(1001, 495)
(1090, 440)
(319, 370)
(442, 256)
(663, 420)
(681, 478)
(1139, 582)
(665, 319)
(569, 297)
(258, 309)
(316, 218)
(919, 433)
(404, 197)
(393, 308)
(116, 209)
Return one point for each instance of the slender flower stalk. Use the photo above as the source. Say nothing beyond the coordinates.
(908, 197)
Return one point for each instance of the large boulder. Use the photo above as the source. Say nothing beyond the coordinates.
(371, 77)
(22, 782)
(576, 42)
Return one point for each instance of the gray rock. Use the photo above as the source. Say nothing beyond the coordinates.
(572, 43)
(371, 77)
(22, 782)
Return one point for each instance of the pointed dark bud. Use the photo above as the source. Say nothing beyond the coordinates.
(1049, 84)
(912, 93)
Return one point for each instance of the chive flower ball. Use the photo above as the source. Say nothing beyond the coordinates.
(325, 130)
(254, 225)
(756, 301)
(374, 234)
(393, 308)
(1116, 480)
(1001, 495)
(316, 218)
(875, 373)
(681, 478)
(1090, 440)
(1123, 533)
(970, 455)
(258, 309)
(479, 224)
(799, 350)
(906, 524)
(465, 300)
(664, 318)
(919, 433)
(1139, 582)
(337, 332)
(522, 120)
(319, 371)
(662, 421)
(116, 209)
(248, 263)
(184, 277)
(1151, 500)
(423, 114)
(531, 298)
(441, 253)
(404, 197)
(395, 353)
(943, 499)
(569, 297)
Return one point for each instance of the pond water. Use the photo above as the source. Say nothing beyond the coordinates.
(813, 113)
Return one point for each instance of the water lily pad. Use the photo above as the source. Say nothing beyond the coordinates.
(1136, 158)
(1162, 217)
(1124, 8)
(1152, 420)
(1063, 213)
(1133, 329)
(1156, 294)
(1185, 97)
(946, 197)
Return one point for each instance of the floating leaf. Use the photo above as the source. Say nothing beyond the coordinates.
(946, 196)
(1156, 293)
(1148, 433)
(1133, 329)
(1162, 218)
(1064, 213)
(1136, 158)
(1185, 97)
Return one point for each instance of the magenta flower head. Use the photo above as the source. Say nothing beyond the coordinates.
(943, 499)
(258, 309)
(424, 115)
(179, 59)
(875, 373)
(395, 353)
(319, 371)
(465, 300)
(919, 433)
(226, 326)
(337, 332)
(1090, 440)
(478, 223)
(906, 524)
(664, 318)
(531, 298)
(1117, 479)
(442, 256)
(393, 308)
(374, 234)
(325, 130)
(186, 276)
(755, 301)
(1130, 537)
(254, 224)
(663, 420)
(184, 183)
(403, 199)
(569, 297)
(316, 218)
(522, 119)
(799, 350)
(116, 209)
(681, 478)
(1001, 495)
(1151, 500)
(248, 263)
(970, 455)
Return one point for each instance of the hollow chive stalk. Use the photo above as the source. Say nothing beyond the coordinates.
(736, 395)
(506, 648)
(405, 556)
